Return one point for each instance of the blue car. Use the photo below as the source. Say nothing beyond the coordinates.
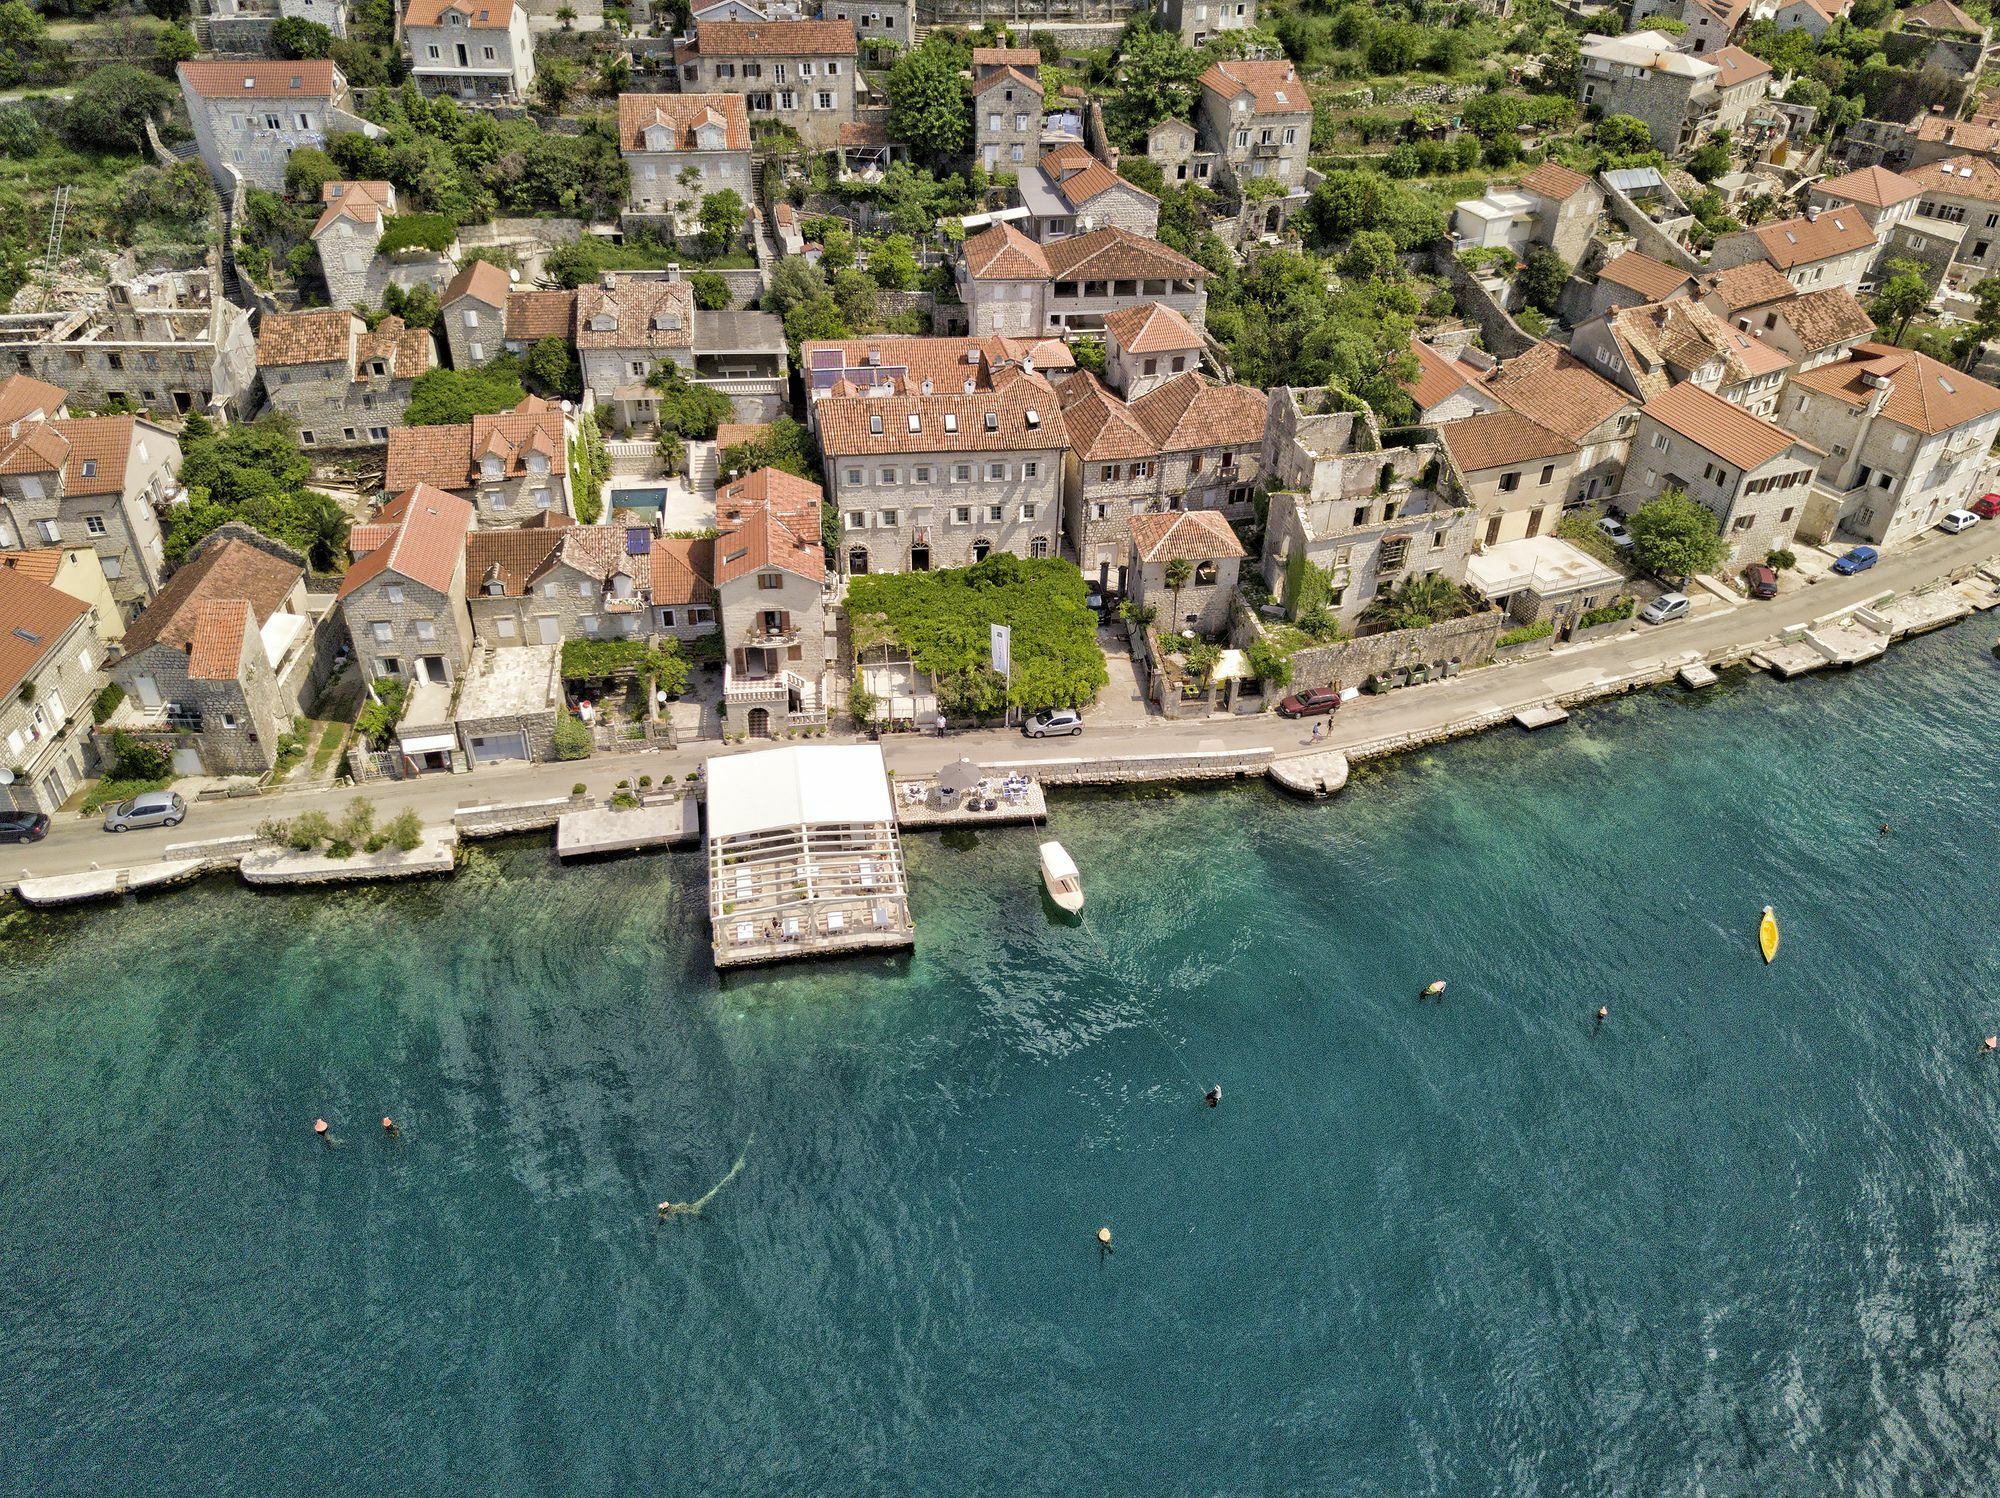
(1858, 560)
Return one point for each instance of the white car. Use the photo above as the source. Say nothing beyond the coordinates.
(1615, 532)
(1958, 520)
(1059, 720)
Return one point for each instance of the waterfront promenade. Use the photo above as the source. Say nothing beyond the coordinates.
(1117, 731)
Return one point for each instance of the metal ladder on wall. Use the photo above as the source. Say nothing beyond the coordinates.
(58, 220)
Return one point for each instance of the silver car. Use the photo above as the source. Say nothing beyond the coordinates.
(147, 809)
(1057, 720)
(1665, 609)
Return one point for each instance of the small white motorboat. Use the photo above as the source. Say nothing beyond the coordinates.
(1059, 877)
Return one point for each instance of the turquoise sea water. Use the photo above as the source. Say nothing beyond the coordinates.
(1741, 1241)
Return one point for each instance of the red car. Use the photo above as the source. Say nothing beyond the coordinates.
(1312, 700)
(1986, 506)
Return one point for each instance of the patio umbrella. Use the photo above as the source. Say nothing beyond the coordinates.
(959, 777)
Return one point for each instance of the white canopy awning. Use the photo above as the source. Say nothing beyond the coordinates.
(429, 742)
(797, 787)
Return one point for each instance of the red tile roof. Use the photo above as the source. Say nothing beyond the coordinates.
(1498, 438)
(480, 279)
(795, 500)
(683, 115)
(953, 422)
(1961, 177)
(1750, 285)
(222, 570)
(513, 558)
(92, 453)
(37, 618)
(1151, 328)
(638, 314)
(1007, 75)
(1652, 279)
(1184, 536)
(22, 396)
(535, 315)
(775, 39)
(1004, 253)
(1190, 412)
(220, 627)
(1274, 87)
(1924, 395)
(1118, 254)
(761, 539)
(1101, 427)
(1737, 67)
(1549, 385)
(40, 565)
(1439, 376)
(1006, 57)
(1872, 186)
(486, 15)
(683, 570)
(1555, 181)
(1719, 426)
(322, 337)
(364, 202)
(1800, 241)
(453, 456)
(430, 538)
(260, 80)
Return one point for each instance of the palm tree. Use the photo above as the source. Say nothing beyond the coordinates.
(1420, 601)
(1180, 571)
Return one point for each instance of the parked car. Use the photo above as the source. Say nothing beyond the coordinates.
(1055, 720)
(1858, 560)
(1313, 700)
(1665, 609)
(1986, 506)
(1615, 532)
(1957, 520)
(1762, 581)
(23, 826)
(147, 809)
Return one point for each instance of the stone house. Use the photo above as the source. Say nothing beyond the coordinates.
(1195, 21)
(472, 313)
(1811, 16)
(1006, 107)
(1645, 349)
(1013, 286)
(769, 588)
(796, 73)
(249, 117)
(1882, 197)
(921, 365)
(744, 355)
(1175, 145)
(1256, 117)
(532, 316)
(1741, 83)
(1633, 278)
(1069, 191)
(1187, 444)
(511, 467)
(1567, 205)
(474, 51)
(76, 571)
(403, 598)
(1649, 76)
(1450, 383)
(1555, 389)
(1903, 438)
(347, 238)
(224, 658)
(944, 477)
(1941, 35)
(1808, 330)
(49, 677)
(1938, 138)
(341, 384)
(545, 583)
(168, 342)
(1751, 473)
(683, 587)
(1710, 23)
(1145, 346)
(678, 147)
(1516, 473)
(95, 481)
(1959, 199)
(1202, 539)
(876, 20)
(243, 27)
(627, 327)
(1820, 249)
(1367, 516)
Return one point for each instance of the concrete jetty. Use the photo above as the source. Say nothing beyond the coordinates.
(436, 854)
(1696, 675)
(600, 829)
(1315, 775)
(1544, 715)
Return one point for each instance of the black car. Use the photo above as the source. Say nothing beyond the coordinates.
(23, 826)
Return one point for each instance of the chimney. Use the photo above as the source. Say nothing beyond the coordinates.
(673, 270)
(1812, 215)
(608, 281)
(927, 385)
(970, 384)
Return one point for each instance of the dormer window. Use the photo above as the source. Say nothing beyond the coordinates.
(992, 421)
(496, 589)
(604, 322)
(537, 463)
(875, 425)
(951, 421)
(491, 466)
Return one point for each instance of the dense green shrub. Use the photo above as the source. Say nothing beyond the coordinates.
(573, 737)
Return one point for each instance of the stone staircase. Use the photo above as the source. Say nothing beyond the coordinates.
(702, 465)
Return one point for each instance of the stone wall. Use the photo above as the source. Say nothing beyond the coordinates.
(1133, 769)
(539, 728)
(1469, 642)
(1501, 336)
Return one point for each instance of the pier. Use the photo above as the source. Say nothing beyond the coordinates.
(673, 823)
(1314, 775)
(1543, 715)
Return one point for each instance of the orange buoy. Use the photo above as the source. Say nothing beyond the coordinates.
(319, 1126)
(1104, 1237)
(1993, 1042)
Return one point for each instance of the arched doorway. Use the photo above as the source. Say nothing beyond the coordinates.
(980, 548)
(920, 559)
(857, 560)
(760, 723)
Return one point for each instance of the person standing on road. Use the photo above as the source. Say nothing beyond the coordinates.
(940, 723)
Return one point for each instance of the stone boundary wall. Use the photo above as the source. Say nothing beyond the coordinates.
(502, 818)
(1467, 641)
(1499, 333)
(1134, 769)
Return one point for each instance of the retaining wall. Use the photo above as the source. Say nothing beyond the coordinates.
(1469, 642)
(1200, 764)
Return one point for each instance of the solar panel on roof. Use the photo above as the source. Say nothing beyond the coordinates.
(828, 358)
(638, 541)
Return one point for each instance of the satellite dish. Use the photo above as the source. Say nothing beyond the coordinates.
(6, 777)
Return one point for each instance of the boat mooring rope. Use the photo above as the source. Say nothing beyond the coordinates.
(693, 1208)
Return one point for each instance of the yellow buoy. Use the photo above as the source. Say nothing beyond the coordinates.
(1767, 934)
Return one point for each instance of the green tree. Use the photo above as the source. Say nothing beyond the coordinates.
(1158, 78)
(23, 41)
(1426, 599)
(723, 216)
(294, 36)
(688, 410)
(893, 263)
(21, 134)
(1622, 135)
(1902, 296)
(1542, 277)
(307, 170)
(174, 44)
(555, 83)
(1711, 159)
(551, 367)
(1986, 320)
(783, 444)
(855, 293)
(1675, 536)
(448, 397)
(109, 110)
(711, 291)
(1371, 256)
(929, 108)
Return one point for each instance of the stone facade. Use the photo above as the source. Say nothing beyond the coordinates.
(797, 73)
(471, 53)
(1256, 118)
(45, 708)
(876, 20)
(1646, 75)
(341, 385)
(97, 482)
(249, 118)
(403, 628)
(679, 147)
(513, 468)
(1016, 288)
(1007, 117)
(1195, 21)
(1756, 485)
(1456, 642)
(346, 236)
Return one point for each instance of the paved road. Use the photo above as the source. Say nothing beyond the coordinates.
(75, 844)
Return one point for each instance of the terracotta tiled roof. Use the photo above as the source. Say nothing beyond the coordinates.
(100, 450)
(260, 80)
(1190, 412)
(40, 565)
(1961, 177)
(1554, 181)
(760, 540)
(1964, 134)
(23, 396)
(683, 571)
(775, 39)
(453, 456)
(1117, 254)
(1014, 76)
(1749, 285)
(1924, 395)
(225, 569)
(1183, 536)
(796, 501)
(1652, 279)
(1274, 87)
(37, 619)
(362, 539)
(1872, 186)
(1498, 438)
(952, 422)
(682, 115)
(480, 15)
(407, 351)
(1077, 176)
(534, 315)
(1006, 57)
(854, 134)
(1101, 427)
(364, 202)
(1830, 9)
(730, 434)
(1719, 426)
(1004, 253)
(429, 540)
(1801, 241)
(1737, 67)
(40, 448)
(481, 280)
(1823, 318)
(639, 314)
(216, 652)
(1439, 376)
(1667, 341)
(1151, 328)
(1942, 15)
(322, 337)
(844, 365)
(512, 558)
